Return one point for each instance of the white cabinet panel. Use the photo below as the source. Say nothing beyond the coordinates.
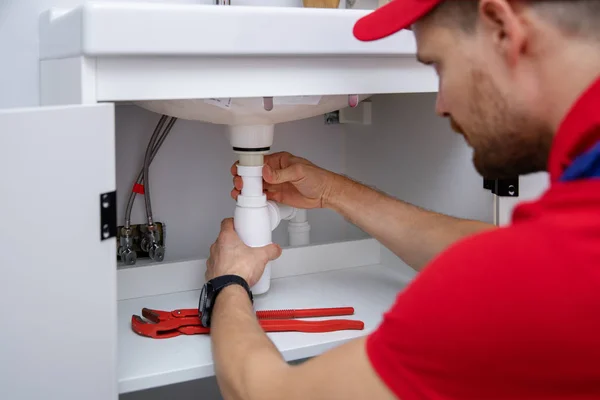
(58, 273)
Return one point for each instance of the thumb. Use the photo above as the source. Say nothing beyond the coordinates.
(290, 174)
(272, 251)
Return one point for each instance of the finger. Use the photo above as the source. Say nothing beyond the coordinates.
(227, 225)
(273, 187)
(235, 193)
(272, 251)
(275, 196)
(284, 159)
(234, 168)
(291, 174)
(238, 183)
(279, 160)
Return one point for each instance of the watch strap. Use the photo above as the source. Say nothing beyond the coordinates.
(212, 289)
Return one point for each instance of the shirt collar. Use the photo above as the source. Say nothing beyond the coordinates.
(579, 130)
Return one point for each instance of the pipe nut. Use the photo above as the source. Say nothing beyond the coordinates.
(252, 201)
(244, 170)
(128, 256)
(157, 253)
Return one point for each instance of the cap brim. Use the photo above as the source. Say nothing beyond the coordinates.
(391, 18)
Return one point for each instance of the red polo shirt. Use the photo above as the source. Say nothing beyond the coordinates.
(512, 313)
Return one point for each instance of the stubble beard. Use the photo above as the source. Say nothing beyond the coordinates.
(506, 143)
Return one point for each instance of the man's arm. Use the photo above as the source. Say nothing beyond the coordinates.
(412, 233)
(248, 366)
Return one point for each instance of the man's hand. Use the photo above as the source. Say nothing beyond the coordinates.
(230, 256)
(292, 180)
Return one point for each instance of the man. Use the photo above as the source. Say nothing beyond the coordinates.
(496, 313)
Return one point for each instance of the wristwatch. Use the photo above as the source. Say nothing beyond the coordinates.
(211, 289)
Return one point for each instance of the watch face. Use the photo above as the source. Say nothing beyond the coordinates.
(202, 302)
(205, 304)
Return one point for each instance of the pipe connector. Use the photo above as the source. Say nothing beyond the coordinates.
(125, 251)
(279, 212)
(255, 218)
(253, 180)
(299, 233)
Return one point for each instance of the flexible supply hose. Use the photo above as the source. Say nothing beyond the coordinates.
(140, 178)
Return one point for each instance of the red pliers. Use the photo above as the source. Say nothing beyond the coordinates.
(167, 324)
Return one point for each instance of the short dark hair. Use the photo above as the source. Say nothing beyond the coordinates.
(575, 17)
(456, 14)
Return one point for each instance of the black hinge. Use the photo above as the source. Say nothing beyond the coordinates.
(502, 187)
(108, 215)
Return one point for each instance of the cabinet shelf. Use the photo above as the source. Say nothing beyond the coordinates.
(205, 51)
(147, 363)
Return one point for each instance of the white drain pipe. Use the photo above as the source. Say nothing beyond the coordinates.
(255, 218)
(299, 229)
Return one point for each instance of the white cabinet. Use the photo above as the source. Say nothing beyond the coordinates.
(58, 284)
(97, 60)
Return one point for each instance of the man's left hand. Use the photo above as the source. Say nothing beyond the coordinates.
(230, 256)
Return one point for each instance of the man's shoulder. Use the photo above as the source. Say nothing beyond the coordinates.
(484, 303)
(474, 273)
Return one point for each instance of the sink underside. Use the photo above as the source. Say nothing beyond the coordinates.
(248, 111)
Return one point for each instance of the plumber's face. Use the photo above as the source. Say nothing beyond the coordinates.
(484, 100)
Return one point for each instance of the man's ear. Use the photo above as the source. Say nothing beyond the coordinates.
(502, 24)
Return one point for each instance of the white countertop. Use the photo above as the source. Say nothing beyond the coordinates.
(146, 363)
(146, 51)
(116, 28)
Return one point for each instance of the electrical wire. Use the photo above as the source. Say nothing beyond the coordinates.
(156, 141)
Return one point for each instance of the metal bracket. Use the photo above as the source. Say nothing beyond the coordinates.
(138, 233)
(502, 187)
(332, 118)
(108, 215)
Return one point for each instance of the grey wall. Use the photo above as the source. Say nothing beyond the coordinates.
(412, 154)
(19, 43)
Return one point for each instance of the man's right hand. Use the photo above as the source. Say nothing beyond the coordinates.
(291, 180)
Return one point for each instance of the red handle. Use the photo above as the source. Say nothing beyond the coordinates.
(311, 326)
(193, 330)
(305, 313)
(281, 314)
(291, 326)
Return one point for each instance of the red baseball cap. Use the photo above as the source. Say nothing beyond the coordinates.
(391, 18)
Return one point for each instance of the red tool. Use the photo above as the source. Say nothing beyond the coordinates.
(166, 324)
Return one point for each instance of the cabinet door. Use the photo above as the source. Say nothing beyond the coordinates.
(57, 261)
